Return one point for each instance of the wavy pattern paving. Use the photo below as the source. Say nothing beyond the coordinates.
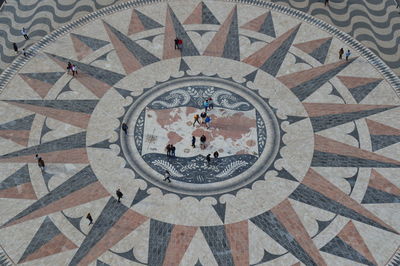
(375, 23)
(39, 18)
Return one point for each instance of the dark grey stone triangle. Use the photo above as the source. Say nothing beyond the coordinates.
(373, 195)
(324, 159)
(267, 27)
(201, 32)
(140, 195)
(21, 176)
(321, 52)
(93, 43)
(286, 175)
(100, 263)
(352, 181)
(322, 225)
(268, 222)
(46, 178)
(267, 257)
(220, 209)
(80, 180)
(65, 89)
(299, 60)
(142, 55)
(231, 47)
(106, 76)
(70, 142)
(293, 119)
(24, 123)
(124, 93)
(147, 22)
(314, 198)
(198, 263)
(354, 132)
(307, 88)
(207, 17)
(340, 248)
(46, 232)
(274, 62)
(383, 141)
(83, 106)
(253, 40)
(48, 77)
(183, 66)
(105, 144)
(128, 255)
(45, 130)
(218, 243)
(189, 49)
(335, 92)
(111, 213)
(360, 92)
(328, 121)
(251, 76)
(160, 233)
(76, 222)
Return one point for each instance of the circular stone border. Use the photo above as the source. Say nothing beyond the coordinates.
(373, 59)
(260, 167)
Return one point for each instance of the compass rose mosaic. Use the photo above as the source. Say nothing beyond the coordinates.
(306, 171)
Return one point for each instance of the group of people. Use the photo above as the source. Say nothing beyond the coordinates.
(341, 52)
(24, 33)
(205, 118)
(170, 150)
(73, 68)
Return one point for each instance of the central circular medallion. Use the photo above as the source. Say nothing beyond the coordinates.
(243, 131)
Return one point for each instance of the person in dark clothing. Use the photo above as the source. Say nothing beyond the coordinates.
(119, 195)
(89, 217)
(203, 142)
(125, 128)
(69, 67)
(216, 154)
(168, 149)
(341, 52)
(173, 150)
(176, 41)
(167, 176)
(193, 141)
(15, 47)
(40, 162)
(208, 158)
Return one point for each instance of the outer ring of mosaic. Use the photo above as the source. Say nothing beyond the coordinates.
(373, 59)
(266, 158)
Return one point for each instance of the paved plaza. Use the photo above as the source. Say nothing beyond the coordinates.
(304, 146)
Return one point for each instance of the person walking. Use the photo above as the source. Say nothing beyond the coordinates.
(206, 105)
(176, 41)
(326, 2)
(208, 158)
(24, 52)
(341, 52)
(124, 127)
(203, 116)
(348, 53)
(69, 67)
(180, 44)
(119, 195)
(40, 162)
(203, 142)
(15, 47)
(216, 154)
(173, 150)
(208, 121)
(168, 149)
(89, 217)
(193, 141)
(167, 176)
(24, 32)
(196, 119)
(74, 70)
(210, 103)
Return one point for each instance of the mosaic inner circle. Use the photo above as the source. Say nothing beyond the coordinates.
(243, 131)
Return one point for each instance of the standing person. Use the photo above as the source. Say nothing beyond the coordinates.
(15, 47)
(326, 2)
(208, 121)
(210, 103)
(176, 41)
(25, 33)
(125, 128)
(180, 44)
(24, 52)
(193, 141)
(208, 158)
(74, 70)
(168, 149)
(348, 53)
(119, 195)
(341, 52)
(173, 150)
(203, 116)
(69, 67)
(205, 105)
(89, 217)
(216, 154)
(196, 119)
(40, 162)
(203, 142)
(167, 176)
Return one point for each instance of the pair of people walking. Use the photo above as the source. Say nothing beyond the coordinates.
(341, 52)
(208, 104)
(208, 157)
(170, 150)
(73, 68)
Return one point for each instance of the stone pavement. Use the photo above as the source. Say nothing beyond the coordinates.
(309, 158)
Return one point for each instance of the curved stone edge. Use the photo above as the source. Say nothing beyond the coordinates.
(385, 71)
